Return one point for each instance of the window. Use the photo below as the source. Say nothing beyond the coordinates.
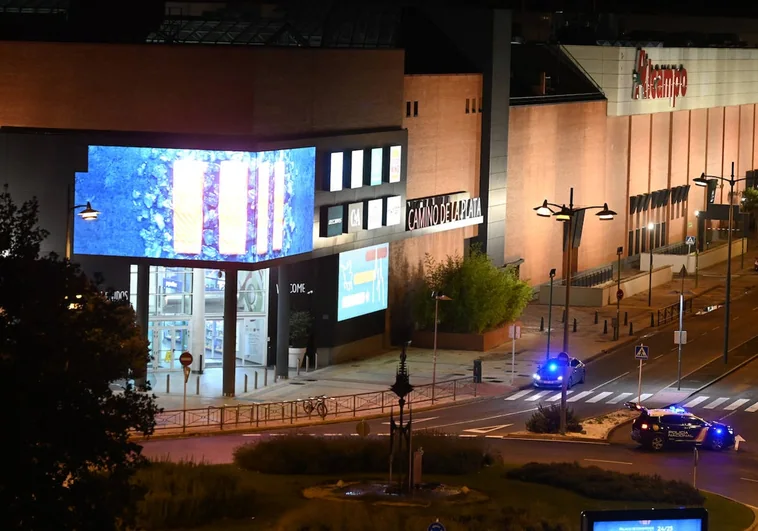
(637, 241)
(480, 105)
(467, 106)
(630, 246)
(415, 108)
(407, 109)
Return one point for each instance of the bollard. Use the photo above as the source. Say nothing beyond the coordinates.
(652, 319)
(307, 363)
(265, 376)
(574, 324)
(626, 318)
(255, 380)
(168, 383)
(246, 383)
(631, 329)
(542, 324)
(298, 366)
(197, 385)
(315, 361)
(605, 326)
(596, 317)
(563, 316)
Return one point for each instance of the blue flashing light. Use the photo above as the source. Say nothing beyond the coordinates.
(553, 367)
(677, 409)
(719, 430)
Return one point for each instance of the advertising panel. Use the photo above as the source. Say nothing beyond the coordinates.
(441, 210)
(377, 158)
(393, 211)
(356, 169)
(188, 204)
(354, 217)
(650, 525)
(332, 219)
(682, 519)
(362, 285)
(396, 162)
(374, 211)
(336, 169)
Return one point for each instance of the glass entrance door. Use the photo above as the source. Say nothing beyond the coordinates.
(214, 342)
(168, 340)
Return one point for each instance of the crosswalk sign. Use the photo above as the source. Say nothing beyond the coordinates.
(690, 240)
(641, 352)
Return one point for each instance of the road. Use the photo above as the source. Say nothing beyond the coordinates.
(611, 380)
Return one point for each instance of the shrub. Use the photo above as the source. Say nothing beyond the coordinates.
(300, 328)
(189, 495)
(305, 454)
(547, 419)
(594, 482)
(484, 295)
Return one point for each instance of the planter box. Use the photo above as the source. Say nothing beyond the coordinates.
(451, 341)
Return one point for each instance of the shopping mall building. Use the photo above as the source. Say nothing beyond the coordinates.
(238, 184)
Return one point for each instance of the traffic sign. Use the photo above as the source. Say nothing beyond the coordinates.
(362, 428)
(514, 331)
(680, 337)
(690, 240)
(187, 372)
(641, 352)
(185, 359)
(436, 526)
(620, 294)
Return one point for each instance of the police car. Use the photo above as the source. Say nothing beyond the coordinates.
(658, 428)
(550, 374)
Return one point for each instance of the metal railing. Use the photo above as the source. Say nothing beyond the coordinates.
(592, 277)
(671, 313)
(679, 248)
(292, 412)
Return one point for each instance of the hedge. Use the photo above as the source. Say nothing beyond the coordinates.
(306, 454)
(597, 483)
(548, 420)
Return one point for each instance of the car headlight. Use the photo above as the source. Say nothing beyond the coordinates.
(536, 376)
(560, 378)
(730, 430)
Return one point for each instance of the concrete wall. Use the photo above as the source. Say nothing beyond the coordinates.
(705, 259)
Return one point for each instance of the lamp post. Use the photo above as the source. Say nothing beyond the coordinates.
(650, 229)
(87, 214)
(617, 328)
(568, 214)
(550, 314)
(437, 296)
(703, 181)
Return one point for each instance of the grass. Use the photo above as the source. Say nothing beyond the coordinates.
(282, 507)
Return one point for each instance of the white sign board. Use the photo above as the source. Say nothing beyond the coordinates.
(680, 338)
(514, 332)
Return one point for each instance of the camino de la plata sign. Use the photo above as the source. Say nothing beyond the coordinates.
(652, 81)
(442, 210)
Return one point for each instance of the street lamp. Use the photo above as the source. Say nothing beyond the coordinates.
(568, 214)
(617, 328)
(650, 229)
(87, 214)
(703, 181)
(550, 315)
(437, 296)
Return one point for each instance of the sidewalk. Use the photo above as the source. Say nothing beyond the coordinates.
(378, 373)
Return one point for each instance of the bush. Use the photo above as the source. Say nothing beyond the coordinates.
(189, 495)
(594, 482)
(305, 454)
(484, 295)
(548, 420)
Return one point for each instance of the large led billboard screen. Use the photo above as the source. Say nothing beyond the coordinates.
(363, 281)
(188, 204)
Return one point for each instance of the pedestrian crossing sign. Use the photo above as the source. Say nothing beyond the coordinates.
(641, 352)
(690, 240)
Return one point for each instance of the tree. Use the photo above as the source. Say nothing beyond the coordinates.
(69, 457)
(750, 202)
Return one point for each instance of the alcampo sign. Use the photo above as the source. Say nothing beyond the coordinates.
(442, 209)
(651, 81)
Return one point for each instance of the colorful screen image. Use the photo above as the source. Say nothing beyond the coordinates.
(356, 169)
(377, 155)
(363, 281)
(694, 524)
(187, 204)
(396, 162)
(336, 168)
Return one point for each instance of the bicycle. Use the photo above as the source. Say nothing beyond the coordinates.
(318, 403)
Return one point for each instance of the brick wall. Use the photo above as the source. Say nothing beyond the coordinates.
(264, 92)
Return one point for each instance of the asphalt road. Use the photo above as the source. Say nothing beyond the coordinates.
(611, 380)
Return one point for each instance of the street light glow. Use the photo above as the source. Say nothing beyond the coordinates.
(564, 214)
(89, 213)
(606, 213)
(651, 226)
(543, 210)
(700, 181)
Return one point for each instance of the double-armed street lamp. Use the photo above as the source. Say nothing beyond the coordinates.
(703, 181)
(550, 315)
(87, 214)
(650, 229)
(568, 214)
(437, 296)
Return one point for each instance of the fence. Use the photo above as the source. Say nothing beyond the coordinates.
(671, 313)
(293, 412)
(593, 277)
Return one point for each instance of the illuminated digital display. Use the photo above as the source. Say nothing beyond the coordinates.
(650, 525)
(396, 162)
(374, 210)
(362, 285)
(393, 211)
(336, 169)
(356, 169)
(377, 155)
(188, 204)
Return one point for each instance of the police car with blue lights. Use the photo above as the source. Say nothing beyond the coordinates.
(657, 428)
(551, 373)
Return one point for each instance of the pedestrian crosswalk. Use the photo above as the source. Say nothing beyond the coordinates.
(610, 397)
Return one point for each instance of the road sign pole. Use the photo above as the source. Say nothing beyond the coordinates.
(696, 458)
(184, 402)
(639, 385)
(513, 355)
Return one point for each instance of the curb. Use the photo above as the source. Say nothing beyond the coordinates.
(727, 373)
(551, 437)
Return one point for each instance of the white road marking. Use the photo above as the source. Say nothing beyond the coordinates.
(483, 418)
(736, 318)
(748, 479)
(619, 398)
(716, 403)
(578, 397)
(488, 429)
(519, 394)
(737, 403)
(536, 397)
(599, 397)
(696, 401)
(494, 436)
(645, 396)
(251, 434)
(606, 461)
(558, 441)
(557, 396)
(467, 436)
(756, 308)
(415, 421)
(609, 381)
(753, 408)
(713, 329)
